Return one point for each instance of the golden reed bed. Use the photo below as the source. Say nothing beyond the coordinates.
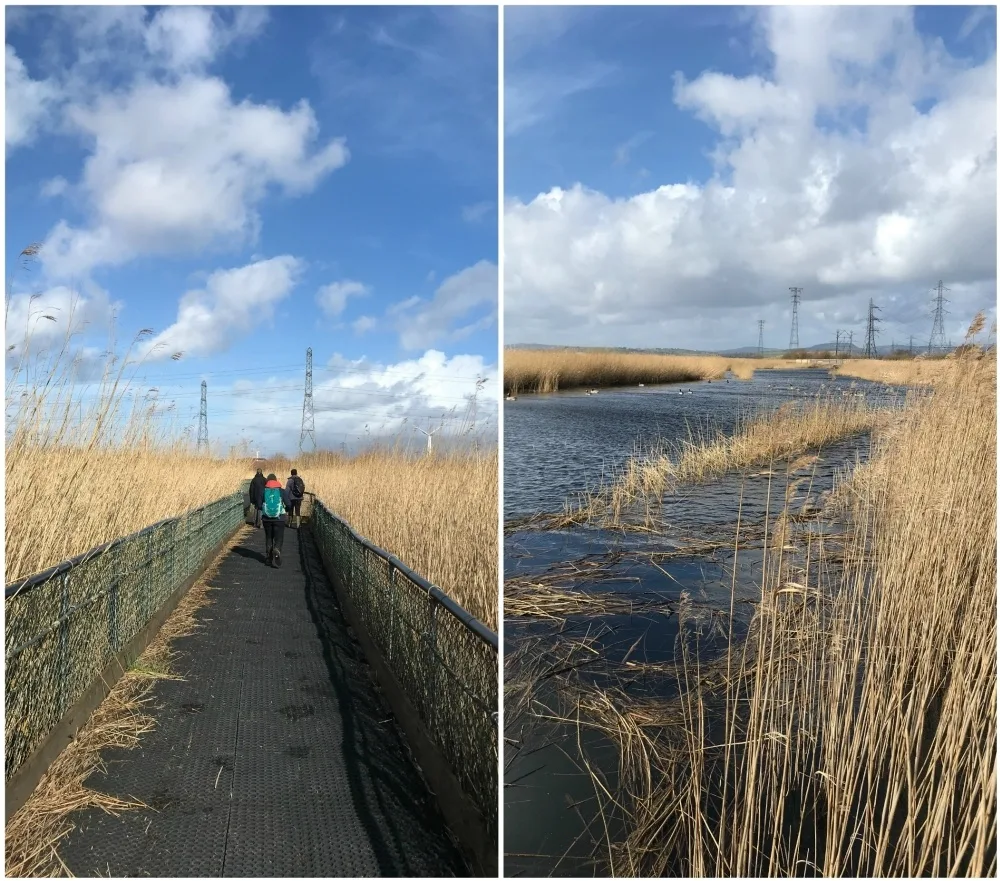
(548, 370)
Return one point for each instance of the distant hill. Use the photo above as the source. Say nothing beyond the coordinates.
(750, 351)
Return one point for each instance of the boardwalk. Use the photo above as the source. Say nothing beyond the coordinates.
(275, 756)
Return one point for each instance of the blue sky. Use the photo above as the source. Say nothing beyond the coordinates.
(671, 171)
(249, 182)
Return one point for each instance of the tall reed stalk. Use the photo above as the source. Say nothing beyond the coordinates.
(855, 733)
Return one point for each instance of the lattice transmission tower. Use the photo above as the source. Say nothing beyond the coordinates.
(793, 340)
(870, 350)
(308, 414)
(203, 419)
(760, 338)
(937, 332)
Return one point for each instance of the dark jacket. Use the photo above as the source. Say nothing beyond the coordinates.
(257, 489)
(275, 484)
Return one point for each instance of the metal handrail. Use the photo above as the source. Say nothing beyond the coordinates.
(66, 626)
(470, 621)
(14, 588)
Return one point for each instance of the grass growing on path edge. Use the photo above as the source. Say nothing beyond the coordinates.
(34, 832)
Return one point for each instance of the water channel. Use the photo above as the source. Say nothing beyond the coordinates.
(560, 445)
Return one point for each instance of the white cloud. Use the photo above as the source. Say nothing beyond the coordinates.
(175, 163)
(183, 36)
(53, 316)
(332, 298)
(233, 301)
(190, 37)
(53, 187)
(475, 213)
(348, 396)
(805, 194)
(28, 102)
(446, 316)
(182, 167)
(364, 324)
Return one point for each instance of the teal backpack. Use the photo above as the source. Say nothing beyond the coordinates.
(273, 506)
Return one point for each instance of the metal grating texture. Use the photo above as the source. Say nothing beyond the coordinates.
(64, 625)
(444, 659)
(274, 756)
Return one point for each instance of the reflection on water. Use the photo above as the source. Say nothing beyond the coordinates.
(557, 446)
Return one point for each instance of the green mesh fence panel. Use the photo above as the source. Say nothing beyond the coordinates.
(447, 668)
(64, 626)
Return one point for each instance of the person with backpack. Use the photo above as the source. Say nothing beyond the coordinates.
(257, 495)
(275, 504)
(296, 489)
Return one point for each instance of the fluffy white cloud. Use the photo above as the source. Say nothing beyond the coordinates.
(187, 37)
(804, 194)
(181, 167)
(446, 316)
(54, 318)
(28, 102)
(359, 402)
(332, 298)
(109, 41)
(232, 301)
(174, 163)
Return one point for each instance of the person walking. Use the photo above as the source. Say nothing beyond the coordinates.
(296, 489)
(273, 509)
(257, 495)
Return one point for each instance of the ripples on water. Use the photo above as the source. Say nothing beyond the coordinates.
(559, 446)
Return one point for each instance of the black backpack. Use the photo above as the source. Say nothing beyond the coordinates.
(298, 487)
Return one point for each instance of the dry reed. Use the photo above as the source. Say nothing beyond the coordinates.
(915, 372)
(855, 731)
(782, 435)
(437, 513)
(62, 501)
(549, 370)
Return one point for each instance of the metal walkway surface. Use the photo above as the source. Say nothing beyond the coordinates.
(275, 756)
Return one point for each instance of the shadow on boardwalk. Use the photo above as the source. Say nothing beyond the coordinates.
(275, 756)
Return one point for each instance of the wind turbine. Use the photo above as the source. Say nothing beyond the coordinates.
(430, 437)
